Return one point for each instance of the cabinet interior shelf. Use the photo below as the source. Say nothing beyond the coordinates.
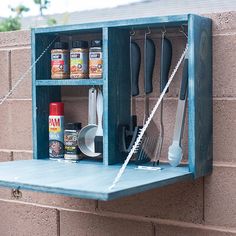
(69, 82)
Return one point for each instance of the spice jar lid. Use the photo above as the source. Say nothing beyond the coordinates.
(73, 126)
(96, 43)
(61, 45)
(80, 44)
(56, 109)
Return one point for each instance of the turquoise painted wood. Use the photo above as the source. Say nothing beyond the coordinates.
(91, 179)
(69, 82)
(86, 180)
(200, 96)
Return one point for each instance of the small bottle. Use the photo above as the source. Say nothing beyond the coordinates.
(71, 148)
(79, 60)
(56, 130)
(95, 59)
(60, 61)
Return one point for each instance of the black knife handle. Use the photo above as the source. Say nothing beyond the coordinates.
(166, 57)
(184, 82)
(149, 62)
(135, 61)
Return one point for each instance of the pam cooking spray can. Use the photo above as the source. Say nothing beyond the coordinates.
(56, 130)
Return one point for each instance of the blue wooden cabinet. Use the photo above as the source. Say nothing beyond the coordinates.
(91, 179)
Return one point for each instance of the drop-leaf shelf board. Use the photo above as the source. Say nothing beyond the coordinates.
(91, 179)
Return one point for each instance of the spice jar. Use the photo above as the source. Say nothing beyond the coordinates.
(95, 59)
(60, 61)
(79, 60)
(71, 149)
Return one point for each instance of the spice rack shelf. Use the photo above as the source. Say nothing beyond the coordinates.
(69, 82)
(91, 179)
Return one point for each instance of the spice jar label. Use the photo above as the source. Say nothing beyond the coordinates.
(95, 64)
(79, 63)
(59, 64)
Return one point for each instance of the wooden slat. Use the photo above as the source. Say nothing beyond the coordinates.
(85, 180)
(200, 95)
(151, 21)
(69, 82)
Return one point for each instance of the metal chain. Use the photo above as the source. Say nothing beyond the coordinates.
(142, 131)
(26, 73)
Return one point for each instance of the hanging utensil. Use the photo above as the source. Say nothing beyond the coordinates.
(99, 134)
(87, 134)
(175, 152)
(151, 134)
(165, 63)
(129, 134)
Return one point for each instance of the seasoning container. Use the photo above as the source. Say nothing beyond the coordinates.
(60, 61)
(95, 59)
(56, 130)
(71, 149)
(79, 60)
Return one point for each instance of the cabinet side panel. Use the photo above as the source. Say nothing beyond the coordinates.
(117, 91)
(200, 95)
(42, 96)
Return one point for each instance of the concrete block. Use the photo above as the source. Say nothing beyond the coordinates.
(73, 223)
(51, 200)
(223, 22)
(76, 110)
(15, 39)
(22, 155)
(181, 201)
(181, 230)
(220, 197)
(16, 125)
(4, 72)
(6, 155)
(20, 62)
(224, 130)
(224, 68)
(20, 219)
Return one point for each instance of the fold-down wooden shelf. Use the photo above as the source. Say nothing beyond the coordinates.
(91, 179)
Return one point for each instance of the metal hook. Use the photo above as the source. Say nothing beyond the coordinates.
(181, 30)
(148, 32)
(163, 31)
(132, 32)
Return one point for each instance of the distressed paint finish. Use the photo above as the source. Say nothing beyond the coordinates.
(174, 20)
(69, 82)
(41, 96)
(86, 180)
(92, 179)
(116, 91)
(200, 96)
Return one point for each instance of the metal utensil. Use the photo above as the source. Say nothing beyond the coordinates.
(99, 134)
(87, 134)
(166, 57)
(175, 152)
(151, 134)
(129, 134)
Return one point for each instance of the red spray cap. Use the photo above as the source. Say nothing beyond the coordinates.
(56, 109)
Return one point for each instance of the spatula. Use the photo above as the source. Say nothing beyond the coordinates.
(166, 57)
(151, 134)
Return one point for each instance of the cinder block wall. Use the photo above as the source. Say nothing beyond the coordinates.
(204, 207)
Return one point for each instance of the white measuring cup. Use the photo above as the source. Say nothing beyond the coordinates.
(87, 134)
